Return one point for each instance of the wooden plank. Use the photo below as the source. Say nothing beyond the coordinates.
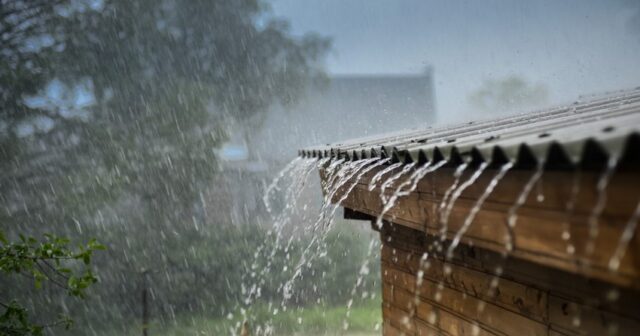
(438, 318)
(405, 300)
(511, 295)
(389, 330)
(530, 239)
(538, 234)
(461, 304)
(557, 333)
(579, 319)
(387, 292)
(491, 315)
(398, 278)
(424, 329)
(428, 313)
(489, 228)
(455, 326)
(537, 278)
(398, 265)
(398, 318)
(557, 187)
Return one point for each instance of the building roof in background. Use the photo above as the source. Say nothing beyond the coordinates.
(583, 133)
(348, 106)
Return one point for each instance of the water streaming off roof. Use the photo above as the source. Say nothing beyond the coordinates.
(566, 191)
(166, 129)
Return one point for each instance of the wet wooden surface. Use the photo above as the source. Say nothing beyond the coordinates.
(529, 298)
(542, 221)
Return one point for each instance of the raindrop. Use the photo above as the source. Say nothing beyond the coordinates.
(456, 180)
(478, 205)
(475, 329)
(601, 201)
(380, 174)
(613, 295)
(625, 238)
(405, 188)
(512, 215)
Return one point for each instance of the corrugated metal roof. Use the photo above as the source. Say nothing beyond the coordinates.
(583, 133)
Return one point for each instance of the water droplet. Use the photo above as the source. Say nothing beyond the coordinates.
(571, 249)
(613, 295)
(475, 330)
(481, 306)
(433, 317)
(576, 321)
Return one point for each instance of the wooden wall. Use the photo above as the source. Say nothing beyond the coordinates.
(551, 284)
(456, 296)
(542, 219)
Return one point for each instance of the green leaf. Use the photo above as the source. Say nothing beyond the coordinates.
(95, 245)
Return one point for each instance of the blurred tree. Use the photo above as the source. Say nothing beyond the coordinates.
(25, 67)
(111, 111)
(509, 94)
(25, 56)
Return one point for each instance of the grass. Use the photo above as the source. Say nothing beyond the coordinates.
(364, 320)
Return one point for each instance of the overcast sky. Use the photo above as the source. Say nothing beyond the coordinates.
(572, 47)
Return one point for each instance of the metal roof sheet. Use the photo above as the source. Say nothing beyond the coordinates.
(583, 133)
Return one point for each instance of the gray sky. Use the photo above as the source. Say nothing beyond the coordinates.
(573, 47)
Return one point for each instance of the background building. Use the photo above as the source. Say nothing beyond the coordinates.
(347, 106)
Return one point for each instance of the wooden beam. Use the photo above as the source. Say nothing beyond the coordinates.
(547, 232)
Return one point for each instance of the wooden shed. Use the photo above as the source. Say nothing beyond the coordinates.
(521, 225)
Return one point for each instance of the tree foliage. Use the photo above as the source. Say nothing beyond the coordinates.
(158, 80)
(51, 261)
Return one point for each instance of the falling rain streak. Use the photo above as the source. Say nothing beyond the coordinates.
(341, 177)
(601, 202)
(323, 223)
(164, 129)
(512, 215)
(442, 221)
(297, 172)
(458, 192)
(478, 205)
(627, 235)
(405, 188)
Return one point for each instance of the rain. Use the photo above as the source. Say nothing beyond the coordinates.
(290, 167)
